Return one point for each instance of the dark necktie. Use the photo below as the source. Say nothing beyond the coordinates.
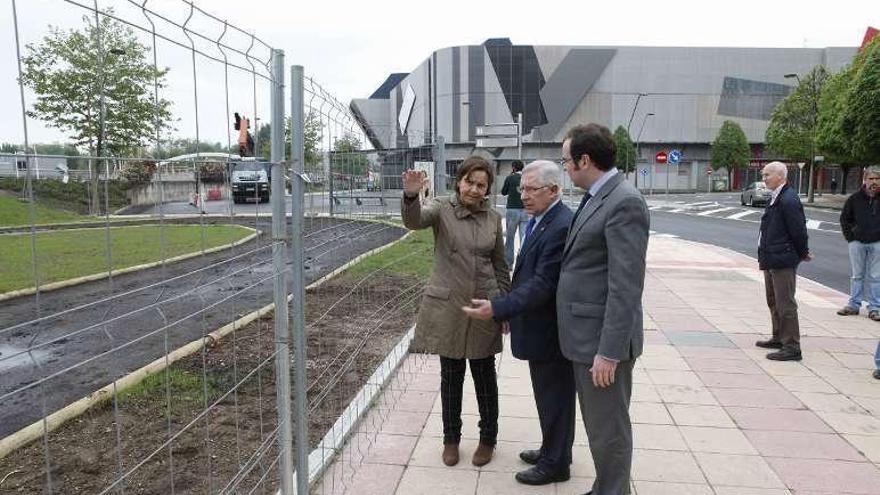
(529, 227)
(586, 198)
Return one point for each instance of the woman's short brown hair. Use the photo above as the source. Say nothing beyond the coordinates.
(474, 163)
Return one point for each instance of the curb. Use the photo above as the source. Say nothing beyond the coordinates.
(55, 420)
(98, 276)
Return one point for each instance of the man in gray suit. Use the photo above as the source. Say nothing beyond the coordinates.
(599, 299)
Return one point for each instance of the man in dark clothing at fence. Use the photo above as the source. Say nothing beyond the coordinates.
(782, 245)
(515, 216)
(860, 224)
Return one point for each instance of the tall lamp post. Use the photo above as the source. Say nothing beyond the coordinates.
(814, 100)
(638, 141)
(629, 123)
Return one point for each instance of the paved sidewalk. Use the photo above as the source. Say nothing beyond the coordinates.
(711, 415)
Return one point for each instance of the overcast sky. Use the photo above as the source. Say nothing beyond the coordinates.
(351, 46)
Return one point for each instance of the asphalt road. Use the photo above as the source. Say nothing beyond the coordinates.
(719, 219)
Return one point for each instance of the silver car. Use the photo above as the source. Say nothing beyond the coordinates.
(755, 194)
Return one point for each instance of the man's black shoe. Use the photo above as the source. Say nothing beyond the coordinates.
(876, 374)
(785, 354)
(530, 456)
(537, 476)
(769, 344)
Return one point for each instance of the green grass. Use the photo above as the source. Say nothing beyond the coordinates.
(16, 212)
(412, 256)
(69, 254)
(187, 389)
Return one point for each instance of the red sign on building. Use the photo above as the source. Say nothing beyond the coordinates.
(660, 157)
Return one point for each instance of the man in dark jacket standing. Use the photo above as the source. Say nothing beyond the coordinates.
(860, 224)
(782, 245)
(515, 217)
(530, 309)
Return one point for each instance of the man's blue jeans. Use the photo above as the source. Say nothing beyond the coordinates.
(514, 219)
(864, 259)
(877, 357)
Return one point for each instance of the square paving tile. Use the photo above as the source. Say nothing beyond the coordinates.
(437, 481)
(755, 418)
(717, 440)
(856, 424)
(828, 402)
(655, 465)
(716, 379)
(672, 377)
(739, 490)
(827, 476)
(805, 445)
(657, 437)
(371, 479)
(663, 488)
(739, 366)
(714, 352)
(691, 415)
(805, 384)
(492, 483)
(756, 398)
(867, 445)
(649, 413)
(683, 394)
(700, 339)
(738, 470)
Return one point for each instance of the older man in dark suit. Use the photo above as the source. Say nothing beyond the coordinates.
(530, 309)
(782, 245)
(599, 299)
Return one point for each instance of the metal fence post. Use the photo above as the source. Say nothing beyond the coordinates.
(440, 167)
(279, 228)
(298, 291)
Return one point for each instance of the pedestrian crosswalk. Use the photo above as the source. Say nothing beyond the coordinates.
(714, 209)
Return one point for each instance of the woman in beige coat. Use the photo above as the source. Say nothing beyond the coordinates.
(468, 264)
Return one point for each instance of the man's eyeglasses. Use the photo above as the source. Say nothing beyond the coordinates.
(563, 161)
(529, 189)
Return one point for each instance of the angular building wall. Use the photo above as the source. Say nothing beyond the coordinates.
(690, 91)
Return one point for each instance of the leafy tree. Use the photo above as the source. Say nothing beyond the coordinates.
(730, 149)
(312, 136)
(862, 117)
(832, 140)
(626, 150)
(347, 157)
(97, 85)
(793, 124)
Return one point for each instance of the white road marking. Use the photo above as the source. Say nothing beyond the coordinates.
(710, 212)
(737, 216)
(813, 224)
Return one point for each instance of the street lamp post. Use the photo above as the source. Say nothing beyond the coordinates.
(815, 104)
(638, 142)
(629, 123)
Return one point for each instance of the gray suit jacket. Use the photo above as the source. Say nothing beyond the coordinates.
(599, 296)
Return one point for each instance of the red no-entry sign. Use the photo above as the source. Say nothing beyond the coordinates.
(660, 157)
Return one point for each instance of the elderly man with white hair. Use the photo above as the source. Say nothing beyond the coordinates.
(782, 245)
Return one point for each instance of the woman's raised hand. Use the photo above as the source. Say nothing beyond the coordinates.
(413, 181)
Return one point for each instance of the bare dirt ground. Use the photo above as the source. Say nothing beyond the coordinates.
(237, 433)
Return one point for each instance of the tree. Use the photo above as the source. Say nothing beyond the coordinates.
(793, 124)
(832, 140)
(347, 157)
(625, 159)
(97, 85)
(312, 136)
(730, 149)
(862, 117)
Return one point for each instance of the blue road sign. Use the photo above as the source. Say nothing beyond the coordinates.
(644, 171)
(674, 157)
